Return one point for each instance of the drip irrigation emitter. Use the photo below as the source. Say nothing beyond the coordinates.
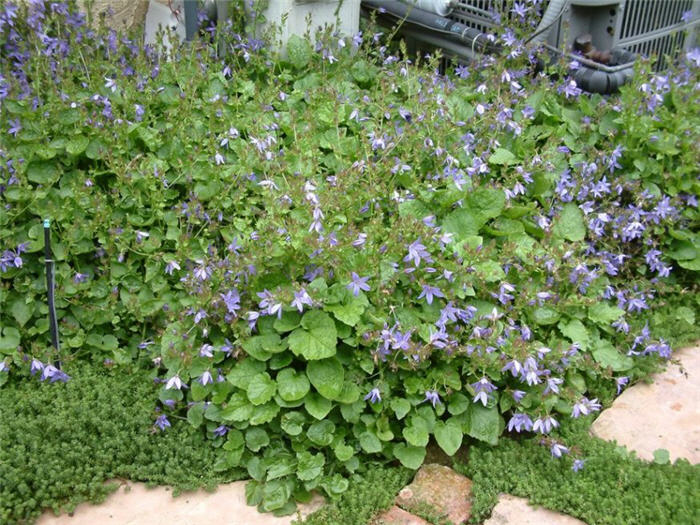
(48, 260)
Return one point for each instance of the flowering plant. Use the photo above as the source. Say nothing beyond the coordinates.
(340, 254)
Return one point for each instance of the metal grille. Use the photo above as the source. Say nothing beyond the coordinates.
(477, 13)
(649, 16)
(669, 44)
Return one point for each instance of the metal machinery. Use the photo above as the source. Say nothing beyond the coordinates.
(605, 36)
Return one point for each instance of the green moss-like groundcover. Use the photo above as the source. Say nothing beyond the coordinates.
(60, 442)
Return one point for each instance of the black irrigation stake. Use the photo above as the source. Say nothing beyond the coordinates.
(48, 259)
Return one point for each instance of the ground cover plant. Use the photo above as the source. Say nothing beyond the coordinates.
(60, 444)
(328, 260)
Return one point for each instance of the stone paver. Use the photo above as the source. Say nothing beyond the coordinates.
(440, 487)
(664, 414)
(135, 504)
(511, 510)
(398, 516)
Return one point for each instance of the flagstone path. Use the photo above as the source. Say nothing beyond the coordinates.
(646, 417)
(135, 504)
(664, 414)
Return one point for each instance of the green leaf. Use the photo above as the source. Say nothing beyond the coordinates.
(238, 408)
(502, 156)
(283, 464)
(293, 423)
(343, 452)
(576, 332)
(261, 347)
(291, 385)
(256, 438)
(486, 203)
(490, 271)
(321, 432)
(461, 223)
(264, 413)
(288, 322)
(299, 51)
(21, 311)
(545, 315)
(351, 412)
(317, 337)
(309, 466)
(417, 433)
(327, 376)
(261, 389)
(241, 374)
(662, 456)
(458, 404)
(76, 145)
(400, 406)
(275, 495)
(603, 313)
(195, 414)
(484, 423)
(44, 172)
(370, 443)
(317, 406)
(350, 309)
(608, 356)
(570, 224)
(10, 340)
(410, 457)
(448, 436)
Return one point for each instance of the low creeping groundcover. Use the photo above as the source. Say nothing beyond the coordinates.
(330, 259)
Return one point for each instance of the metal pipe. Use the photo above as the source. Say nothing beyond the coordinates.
(48, 260)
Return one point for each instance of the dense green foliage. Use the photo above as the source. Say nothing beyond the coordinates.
(61, 442)
(333, 258)
(613, 488)
(367, 496)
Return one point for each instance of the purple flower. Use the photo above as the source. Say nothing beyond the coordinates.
(174, 382)
(36, 366)
(545, 425)
(416, 251)
(140, 236)
(206, 350)
(269, 304)
(433, 397)
(558, 450)
(162, 422)
(519, 421)
(585, 406)
(429, 292)
(111, 84)
(578, 465)
(553, 385)
(483, 387)
(374, 396)
(571, 89)
(518, 395)
(232, 300)
(220, 431)
(301, 298)
(15, 127)
(206, 378)
(54, 374)
(4, 367)
(202, 272)
(80, 278)
(171, 267)
(358, 283)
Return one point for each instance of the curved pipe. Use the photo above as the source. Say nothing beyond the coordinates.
(454, 30)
